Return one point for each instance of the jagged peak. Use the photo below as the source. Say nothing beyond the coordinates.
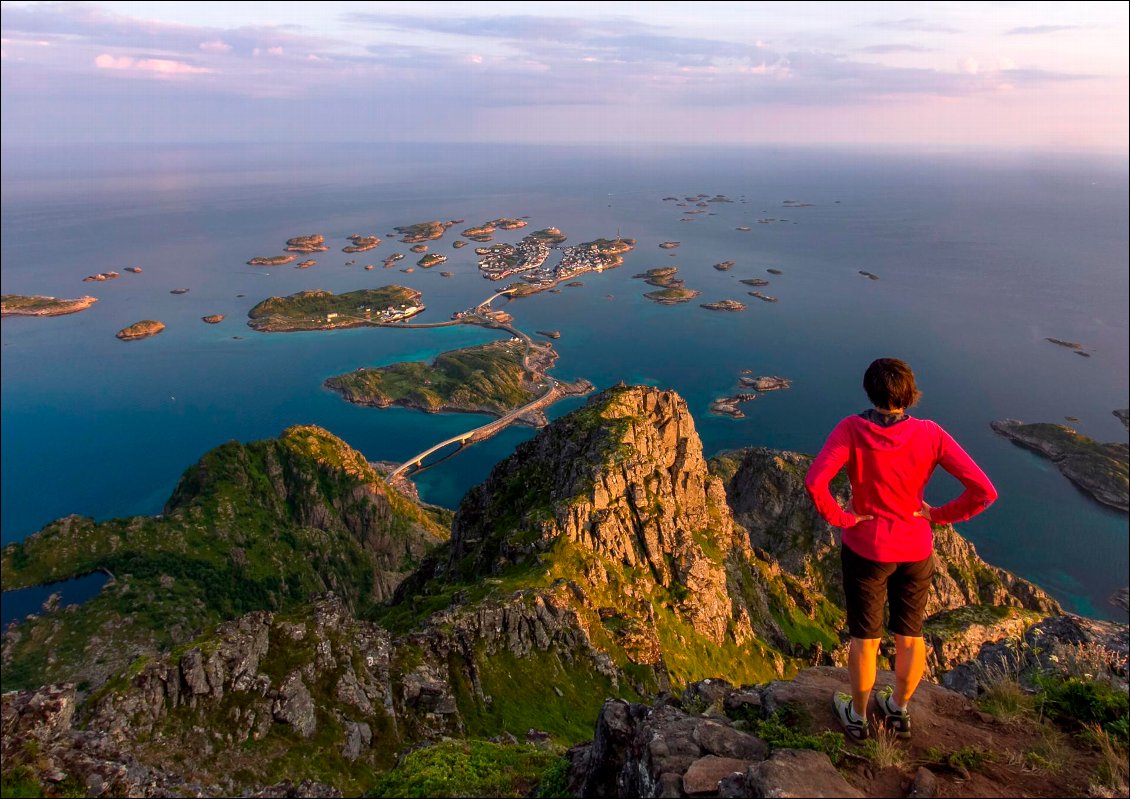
(624, 476)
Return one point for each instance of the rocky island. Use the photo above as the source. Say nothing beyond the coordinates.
(362, 243)
(314, 242)
(305, 264)
(766, 383)
(421, 231)
(671, 291)
(138, 330)
(724, 305)
(669, 245)
(391, 260)
(213, 319)
(418, 248)
(662, 276)
(728, 406)
(272, 260)
(479, 233)
(38, 305)
(868, 275)
(762, 297)
(1101, 470)
(323, 310)
(755, 281)
(773, 271)
(458, 244)
(434, 259)
(490, 378)
(485, 232)
(672, 296)
(551, 236)
(134, 269)
(725, 266)
(101, 277)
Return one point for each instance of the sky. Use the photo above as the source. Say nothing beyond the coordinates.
(1045, 76)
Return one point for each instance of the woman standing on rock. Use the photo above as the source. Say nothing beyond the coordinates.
(888, 542)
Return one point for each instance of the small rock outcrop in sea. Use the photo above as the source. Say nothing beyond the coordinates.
(101, 277)
(1071, 345)
(213, 319)
(272, 260)
(762, 296)
(728, 406)
(135, 269)
(549, 333)
(669, 245)
(766, 383)
(724, 305)
(755, 281)
(869, 275)
(725, 266)
(305, 264)
(179, 291)
(774, 271)
(1099, 469)
(143, 329)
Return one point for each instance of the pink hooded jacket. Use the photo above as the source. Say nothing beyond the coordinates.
(888, 467)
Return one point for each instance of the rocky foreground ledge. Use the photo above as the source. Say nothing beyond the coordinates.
(1099, 469)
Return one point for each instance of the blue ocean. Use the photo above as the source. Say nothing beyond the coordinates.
(980, 258)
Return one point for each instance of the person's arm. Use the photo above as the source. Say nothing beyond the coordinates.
(978, 494)
(833, 456)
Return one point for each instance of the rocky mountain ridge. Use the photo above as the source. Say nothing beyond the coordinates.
(261, 526)
(605, 558)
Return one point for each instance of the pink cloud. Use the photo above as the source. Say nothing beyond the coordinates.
(216, 46)
(159, 67)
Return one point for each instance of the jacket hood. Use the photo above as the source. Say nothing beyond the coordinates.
(873, 435)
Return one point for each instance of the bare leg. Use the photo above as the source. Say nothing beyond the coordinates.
(862, 657)
(910, 664)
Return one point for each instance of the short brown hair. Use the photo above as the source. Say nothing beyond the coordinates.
(889, 384)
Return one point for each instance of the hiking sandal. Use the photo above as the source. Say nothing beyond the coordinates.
(855, 728)
(898, 721)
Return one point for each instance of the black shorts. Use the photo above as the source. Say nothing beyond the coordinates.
(867, 583)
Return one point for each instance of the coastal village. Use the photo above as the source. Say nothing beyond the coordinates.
(529, 256)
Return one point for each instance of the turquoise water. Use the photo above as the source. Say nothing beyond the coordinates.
(979, 260)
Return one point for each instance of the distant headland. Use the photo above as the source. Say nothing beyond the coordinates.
(38, 305)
